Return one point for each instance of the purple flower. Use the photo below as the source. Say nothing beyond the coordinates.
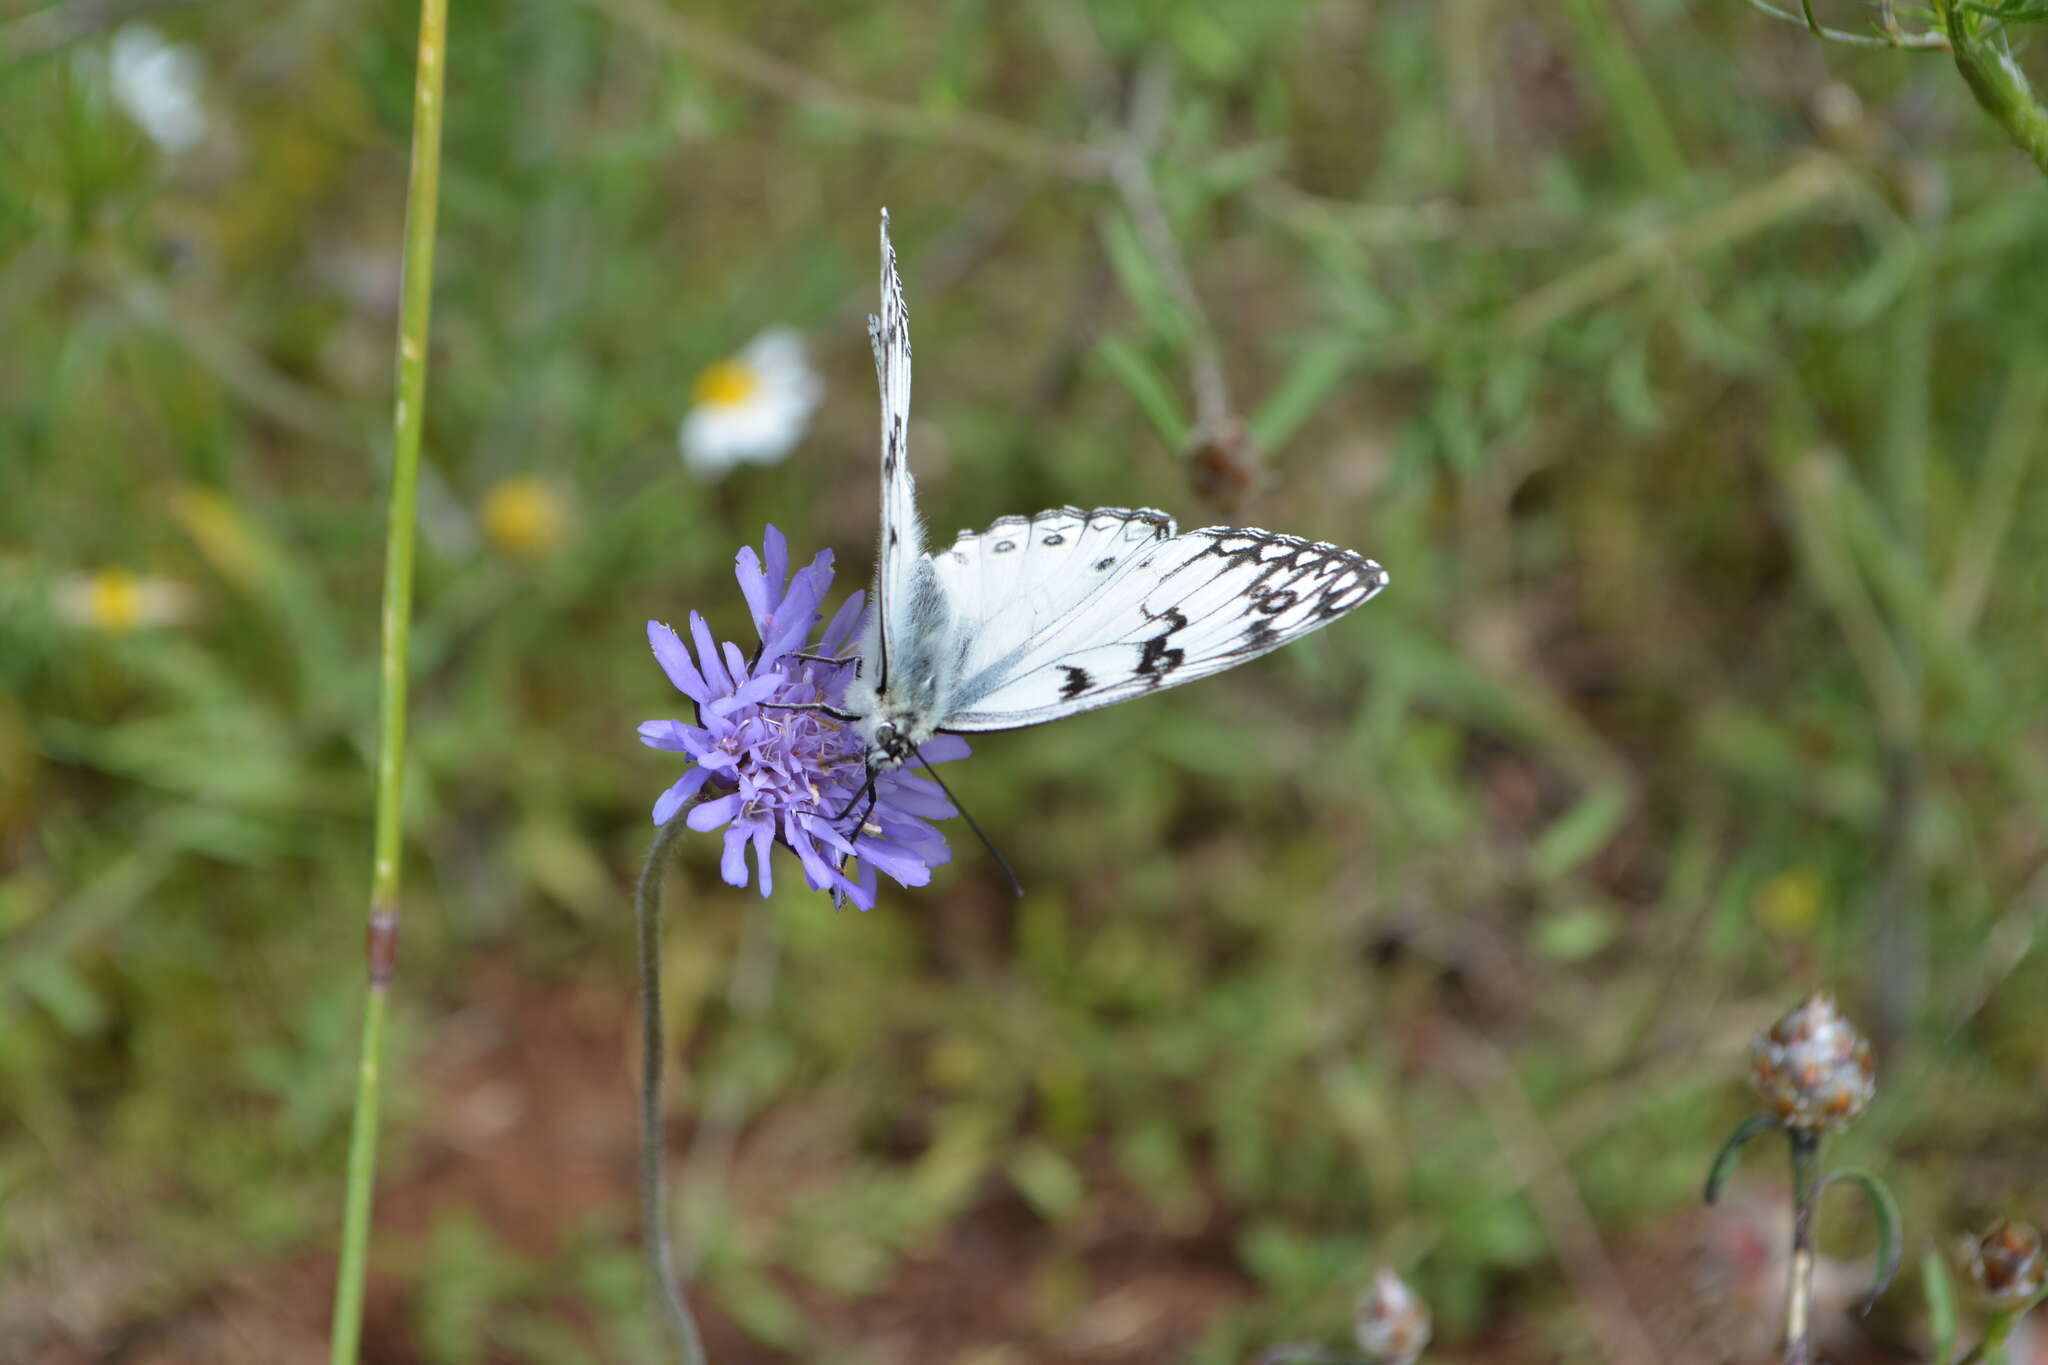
(770, 774)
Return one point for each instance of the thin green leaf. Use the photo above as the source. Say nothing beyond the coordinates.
(1309, 381)
(1147, 387)
(1724, 1160)
(1139, 275)
(1941, 1305)
(1886, 1211)
(1579, 833)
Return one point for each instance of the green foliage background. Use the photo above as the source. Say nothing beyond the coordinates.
(1689, 377)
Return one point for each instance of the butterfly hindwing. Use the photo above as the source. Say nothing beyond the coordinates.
(1174, 610)
(1021, 577)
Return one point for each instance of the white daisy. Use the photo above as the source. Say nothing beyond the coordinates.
(115, 601)
(156, 83)
(750, 408)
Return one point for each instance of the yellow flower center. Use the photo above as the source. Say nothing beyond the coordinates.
(114, 601)
(524, 516)
(727, 384)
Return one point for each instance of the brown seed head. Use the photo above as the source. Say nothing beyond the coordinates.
(1813, 1068)
(2006, 1264)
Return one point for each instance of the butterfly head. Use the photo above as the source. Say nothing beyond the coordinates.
(897, 717)
(890, 746)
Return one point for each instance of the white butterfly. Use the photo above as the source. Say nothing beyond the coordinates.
(1050, 615)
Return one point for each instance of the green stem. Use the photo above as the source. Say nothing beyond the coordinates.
(1630, 95)
(1992, 1347)
(1997, 81)
(661, 1261)
(422, 199)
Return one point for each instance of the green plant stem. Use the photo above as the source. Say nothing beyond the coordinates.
(1992, 1346)
(1805, 1195)
(422, 199)
(1630, 95)
(661, 1261)
(1996, 80)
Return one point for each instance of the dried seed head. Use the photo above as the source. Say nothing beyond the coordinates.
(1813, 1068)
(1392, 1322)
(2006, 1265)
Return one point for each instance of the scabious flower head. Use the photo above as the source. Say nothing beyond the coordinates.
(1391, 1324)
(1813, 1068)
(2006, 1266)
(750, 408)
(769, 767)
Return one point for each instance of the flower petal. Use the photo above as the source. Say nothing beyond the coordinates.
(749, 693)
(943, 749)
(666, 734)
(755, 587)
(711, 814)
(846, 623)
(674, 658)
(901, 864)
(732, 866)
(764, 844)
(735, 662)
(775, 555)
(707, 655)
(685, 787)
(918, 797)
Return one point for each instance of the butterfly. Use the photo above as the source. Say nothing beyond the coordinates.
(1037, 618)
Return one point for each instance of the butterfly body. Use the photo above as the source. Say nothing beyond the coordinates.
(1035, 618)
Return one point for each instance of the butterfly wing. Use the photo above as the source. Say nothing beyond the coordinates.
(1086, 609)
(1022, 577)
(908, 606)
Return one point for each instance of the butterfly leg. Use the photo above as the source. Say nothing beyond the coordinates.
(825, 707)
(867, 790)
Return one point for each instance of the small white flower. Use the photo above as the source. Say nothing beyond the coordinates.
(156, 83)
(115, 601)
(751, 407)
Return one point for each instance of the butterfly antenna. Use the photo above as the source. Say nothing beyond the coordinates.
(1016, 887)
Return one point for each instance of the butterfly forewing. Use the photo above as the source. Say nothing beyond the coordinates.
(905, 594)
(1176, 610)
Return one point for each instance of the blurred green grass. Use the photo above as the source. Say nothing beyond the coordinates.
(1686, 375)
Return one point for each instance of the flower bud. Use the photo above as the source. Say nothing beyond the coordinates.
(1813, 1068)
(2006, 1265)
(1392, 1322)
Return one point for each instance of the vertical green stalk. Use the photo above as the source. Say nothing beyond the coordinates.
(1630, 95)
(422, 199)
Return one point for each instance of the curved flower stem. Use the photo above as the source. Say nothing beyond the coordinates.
(1805, 1192)
(1996, 80)
(1992, 1347)
(422, 200)
(661, 1260)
